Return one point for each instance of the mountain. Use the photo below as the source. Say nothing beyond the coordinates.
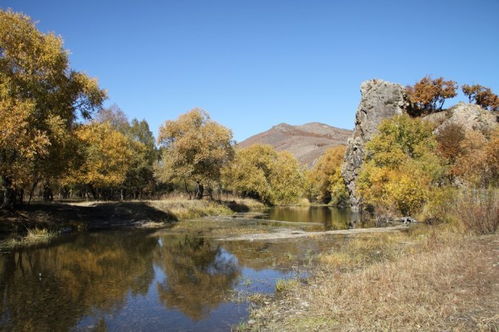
(306, 142)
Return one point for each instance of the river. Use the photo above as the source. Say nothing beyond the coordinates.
(145, 280)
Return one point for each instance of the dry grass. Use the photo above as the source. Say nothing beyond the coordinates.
(188, 209)
(184, 208)
(428, 281)
(33, 237)
(361, 250)
(250, 203)
(478, 210)
(284, 285)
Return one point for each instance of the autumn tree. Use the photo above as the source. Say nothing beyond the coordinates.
(402, 166)
(41, 97)
(259, 171)
(478, 163)
(325, 183)
(116, 118)
(482, 96)
(106, 156)
(429, 95)
(449, 140)
(140, 177)
(194, 149)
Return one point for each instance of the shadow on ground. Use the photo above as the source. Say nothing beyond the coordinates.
(58, 216)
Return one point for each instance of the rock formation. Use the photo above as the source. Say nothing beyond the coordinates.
(468, 116)
(379, 100)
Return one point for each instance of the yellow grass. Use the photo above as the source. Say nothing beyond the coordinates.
(33, 237)
(425, 281)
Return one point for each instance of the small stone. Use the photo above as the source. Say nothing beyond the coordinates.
(251, 322)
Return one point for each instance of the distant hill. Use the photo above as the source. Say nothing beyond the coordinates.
(306, 142)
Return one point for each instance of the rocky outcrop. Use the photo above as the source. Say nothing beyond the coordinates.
(379, 100)
(468, 116)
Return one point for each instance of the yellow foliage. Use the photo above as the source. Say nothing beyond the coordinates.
(478, 163)
(261, 172)
(325, 183)
(402, 166)
(194, 148)
(19, 144)
(107, 156)
(40, 98)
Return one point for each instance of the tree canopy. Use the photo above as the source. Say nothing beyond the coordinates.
(428, 95)
(41, 97)
(482, 96)
(259, 171)
(401, 167)
(325, 183)
(194, 148)
(106, 157)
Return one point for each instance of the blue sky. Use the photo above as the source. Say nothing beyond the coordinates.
(254, 64)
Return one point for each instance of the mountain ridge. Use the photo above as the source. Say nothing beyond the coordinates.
(306, 142)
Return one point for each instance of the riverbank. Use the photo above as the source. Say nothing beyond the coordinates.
(417, 280)
(64, 217)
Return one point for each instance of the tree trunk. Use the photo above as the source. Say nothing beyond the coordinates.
(93, 192)
(32, 191)
(199, 191)
(9, 194)
(47, 193)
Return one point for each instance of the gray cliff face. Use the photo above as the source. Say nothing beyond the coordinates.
(379, 100)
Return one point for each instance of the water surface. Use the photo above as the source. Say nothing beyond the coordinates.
(135, 280)
(332, 218)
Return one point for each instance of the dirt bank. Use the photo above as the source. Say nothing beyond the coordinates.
(71, 216)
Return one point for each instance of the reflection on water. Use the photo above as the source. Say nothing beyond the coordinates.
(331, 217)
(135, 281)
(199, 275)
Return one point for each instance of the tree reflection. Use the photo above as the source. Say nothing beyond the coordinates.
(52, 288)
(199, 275)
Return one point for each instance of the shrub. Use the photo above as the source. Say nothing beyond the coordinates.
(478, 164)
(401, 167)
(478, 210)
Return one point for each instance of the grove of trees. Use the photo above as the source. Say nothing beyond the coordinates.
(260, 172)
(41, 99)
(56, 139)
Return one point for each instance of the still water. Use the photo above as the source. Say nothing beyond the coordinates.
(141, 281)
(330, 217)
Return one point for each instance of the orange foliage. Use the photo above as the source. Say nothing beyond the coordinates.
(428, 95)
(482, 96)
